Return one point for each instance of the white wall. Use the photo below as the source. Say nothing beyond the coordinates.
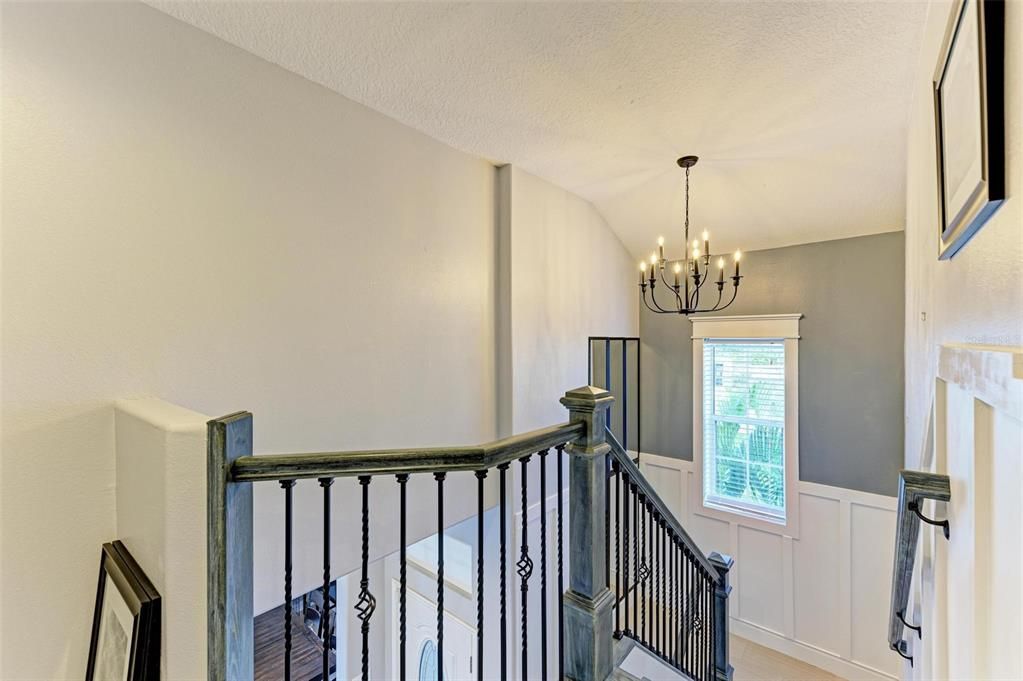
(967, 592)
(567, 277)
(821, 597)
(977, 297)
(185, 220)
(161, 518)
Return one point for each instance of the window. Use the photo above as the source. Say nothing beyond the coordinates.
(745, 430)
(744, 424)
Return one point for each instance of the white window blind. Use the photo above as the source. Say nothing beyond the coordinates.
(744, 425)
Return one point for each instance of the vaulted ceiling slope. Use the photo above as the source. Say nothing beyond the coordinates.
(798, 110)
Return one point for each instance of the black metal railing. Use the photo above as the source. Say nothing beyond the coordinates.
(667, 595)
(397, 467)
(670, 597)
(613, 363)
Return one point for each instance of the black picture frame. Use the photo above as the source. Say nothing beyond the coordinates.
(135, 593)
(986, 192)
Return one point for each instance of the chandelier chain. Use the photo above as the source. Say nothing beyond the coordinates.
(687, 209)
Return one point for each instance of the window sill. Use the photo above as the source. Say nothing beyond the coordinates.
(726, 506)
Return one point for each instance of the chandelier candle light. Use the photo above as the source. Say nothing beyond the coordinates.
(685, 299)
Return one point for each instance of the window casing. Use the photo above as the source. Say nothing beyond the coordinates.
(745, 410)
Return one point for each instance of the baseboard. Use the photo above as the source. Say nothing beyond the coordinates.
(827, 661)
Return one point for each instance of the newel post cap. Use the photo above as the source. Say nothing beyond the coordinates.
(587, 398)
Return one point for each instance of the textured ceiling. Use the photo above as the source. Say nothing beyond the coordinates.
(797, 110)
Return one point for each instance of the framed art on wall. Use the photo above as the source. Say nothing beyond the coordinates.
(968, 120)
(125, 644)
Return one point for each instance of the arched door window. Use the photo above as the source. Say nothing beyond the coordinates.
(428, 662)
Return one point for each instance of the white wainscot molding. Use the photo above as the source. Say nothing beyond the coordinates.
(821, 598)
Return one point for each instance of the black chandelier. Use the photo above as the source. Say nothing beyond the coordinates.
(684, 296)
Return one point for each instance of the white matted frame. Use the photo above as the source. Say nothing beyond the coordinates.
(776, 327)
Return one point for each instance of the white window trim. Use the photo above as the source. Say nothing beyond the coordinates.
(784, 327)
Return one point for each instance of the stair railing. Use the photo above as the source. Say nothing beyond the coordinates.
(670, 597)
(588, 609)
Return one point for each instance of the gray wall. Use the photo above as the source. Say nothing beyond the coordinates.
(850, 292)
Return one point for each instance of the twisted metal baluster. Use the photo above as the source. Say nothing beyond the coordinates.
(480, 476)
(543, 564)
(644, 572)
(664, 589)
(525, 569)
(402, 479)
(561, 578)
(366, 603)
(637, 632)
(503, 469)
(325, 483)
(287, 486)
(439, 477)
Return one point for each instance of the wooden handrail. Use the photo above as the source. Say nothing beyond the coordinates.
(385, 461)
(914, 487)
(635, 475)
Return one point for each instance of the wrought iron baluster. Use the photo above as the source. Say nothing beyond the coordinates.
(687, 611)
(366, 603)
(402, 479)
(643, 571)
(708, 598)
(607, 520)
(561, 578)
(664, 590)
(439, 477)
(503, 469)
(287, 486)
(713, 629)
(635, 563)
(543, 564)
(659, 559)
(618, 557)
(656, 586)
(525, 569)
(480, 476)
(325, 483)
(628, 553)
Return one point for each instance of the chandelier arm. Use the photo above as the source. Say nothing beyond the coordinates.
(696, 292)
(656, 309)
(678, 298)
(735, 292)
(715, 308)
(653, 299)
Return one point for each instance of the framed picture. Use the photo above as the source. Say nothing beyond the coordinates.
(125, 643)
(969, 94)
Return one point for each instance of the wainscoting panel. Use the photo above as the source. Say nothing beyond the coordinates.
(872, 542)
(817, 569)
(822, 598)
(762, 575)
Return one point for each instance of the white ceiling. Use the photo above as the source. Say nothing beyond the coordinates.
(797, 110)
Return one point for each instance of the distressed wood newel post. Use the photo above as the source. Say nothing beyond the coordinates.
(722, 669)
(588, 602)
(229, 551)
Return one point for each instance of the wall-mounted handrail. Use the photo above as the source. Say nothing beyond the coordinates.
(914, 488)
(384, 461)
(654, 498)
